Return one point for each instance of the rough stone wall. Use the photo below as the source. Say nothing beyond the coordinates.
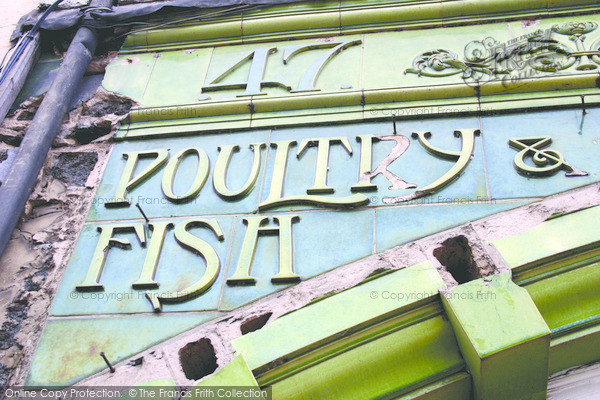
(34, 261)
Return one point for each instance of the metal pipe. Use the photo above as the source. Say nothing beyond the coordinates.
(22, 176)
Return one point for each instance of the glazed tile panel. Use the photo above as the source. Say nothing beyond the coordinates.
(236, 213)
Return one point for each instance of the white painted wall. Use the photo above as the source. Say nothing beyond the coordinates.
(10, 12)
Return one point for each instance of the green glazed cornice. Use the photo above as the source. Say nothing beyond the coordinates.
(364, 105)
(333, 18)
(558, 263)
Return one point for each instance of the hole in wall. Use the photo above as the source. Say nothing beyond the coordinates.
(456, 256)
(198, 359)
(255, 323)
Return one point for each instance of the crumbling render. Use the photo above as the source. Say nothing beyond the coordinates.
(35, 259)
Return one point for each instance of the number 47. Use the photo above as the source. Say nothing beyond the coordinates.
(255, 82)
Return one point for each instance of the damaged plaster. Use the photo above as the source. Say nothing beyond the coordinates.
(32, 265)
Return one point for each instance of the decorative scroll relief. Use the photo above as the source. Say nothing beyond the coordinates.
(557, 49)
(151, 235)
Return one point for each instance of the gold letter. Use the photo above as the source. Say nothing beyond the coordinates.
(276, 199)
(546, 161)
(308, 80)
(220, 173)
(284, 230)
(196, 245)
(201, 175)
(127, 181)
(402, 143)
(461, 157)
(323, 144)
(105, 242)
(366, 160)
(255, 81)
(146, 280)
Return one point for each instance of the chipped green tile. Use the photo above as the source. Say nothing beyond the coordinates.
(234, 373)
(69, 349)
(171, 82)
(559, 236)
(424, 219)
(318, 323)
(129, 74)
(502, 337)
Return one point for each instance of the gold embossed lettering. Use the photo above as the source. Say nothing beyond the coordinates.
(128, 182)
(255, 227)
(168, 177)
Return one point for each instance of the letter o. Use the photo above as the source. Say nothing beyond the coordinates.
(171, 169)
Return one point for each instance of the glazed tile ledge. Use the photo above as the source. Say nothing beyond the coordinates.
(227, 328)
(368, 105)
(341, 331)
(365, 97)
(541, 245)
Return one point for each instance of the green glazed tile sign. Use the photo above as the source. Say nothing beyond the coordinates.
(213, 221)
(358, 76)
(187, 227)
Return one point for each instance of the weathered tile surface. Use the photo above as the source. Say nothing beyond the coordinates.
(70, 349)
(339, 313)
(398, 225)
(321, 242)
(349, 87)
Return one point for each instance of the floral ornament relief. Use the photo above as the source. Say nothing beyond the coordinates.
(557, 49)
